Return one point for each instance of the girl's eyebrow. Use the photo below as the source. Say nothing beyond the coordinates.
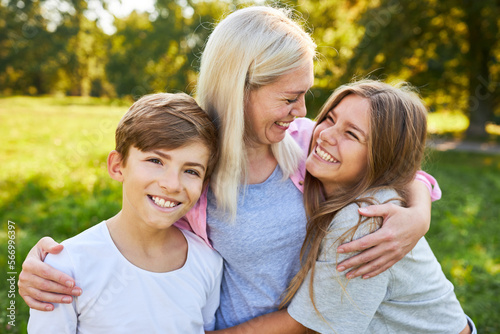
(349, 124)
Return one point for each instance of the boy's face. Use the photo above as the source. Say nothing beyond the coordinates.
(160, 186)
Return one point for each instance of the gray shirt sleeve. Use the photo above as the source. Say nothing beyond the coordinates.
(345, 306)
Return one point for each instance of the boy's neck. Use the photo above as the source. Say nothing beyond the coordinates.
(156, 250)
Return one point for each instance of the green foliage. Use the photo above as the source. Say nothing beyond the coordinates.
(53, 181)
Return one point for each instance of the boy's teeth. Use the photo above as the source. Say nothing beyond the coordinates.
(161, 202)
(324, 155)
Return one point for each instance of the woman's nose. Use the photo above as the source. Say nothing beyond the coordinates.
(300, 109)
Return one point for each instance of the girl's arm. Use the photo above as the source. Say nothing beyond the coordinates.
(40, 284)
(279, 322)
(401, 230)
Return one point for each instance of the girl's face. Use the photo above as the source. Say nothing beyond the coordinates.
(271, 109)
(340, 153)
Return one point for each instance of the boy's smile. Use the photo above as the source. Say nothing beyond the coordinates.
(160, 186)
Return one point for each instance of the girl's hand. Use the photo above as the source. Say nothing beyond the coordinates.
(40, 284)
(400, 232)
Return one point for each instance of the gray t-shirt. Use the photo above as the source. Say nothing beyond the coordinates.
(413, 296)
(260, 249)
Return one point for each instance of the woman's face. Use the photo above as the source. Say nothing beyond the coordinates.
(271, 109)
(340, 153)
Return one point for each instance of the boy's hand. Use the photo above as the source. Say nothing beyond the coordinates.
(40, 284)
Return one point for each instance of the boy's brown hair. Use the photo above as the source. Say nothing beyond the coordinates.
(166, 121)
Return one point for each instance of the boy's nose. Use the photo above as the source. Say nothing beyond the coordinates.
(170, 182)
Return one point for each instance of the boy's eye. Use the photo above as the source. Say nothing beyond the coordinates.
(155, 161)
(193, 172)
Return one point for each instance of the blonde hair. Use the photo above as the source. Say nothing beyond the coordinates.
(396, 144)
(250, 48)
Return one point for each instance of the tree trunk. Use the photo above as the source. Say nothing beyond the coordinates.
(481, 97)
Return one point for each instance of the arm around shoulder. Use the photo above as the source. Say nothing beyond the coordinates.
(40, 284)
(64, 317)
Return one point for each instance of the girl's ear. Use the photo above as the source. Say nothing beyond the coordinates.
(115, 166)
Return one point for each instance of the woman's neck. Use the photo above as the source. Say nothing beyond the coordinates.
(261, 163)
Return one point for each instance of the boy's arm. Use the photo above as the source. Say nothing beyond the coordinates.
(40, 284)
(64, 317)
(402, 229)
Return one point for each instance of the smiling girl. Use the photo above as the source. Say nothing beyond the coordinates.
(366, 148)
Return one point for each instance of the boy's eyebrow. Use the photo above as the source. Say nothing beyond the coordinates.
(189, 163)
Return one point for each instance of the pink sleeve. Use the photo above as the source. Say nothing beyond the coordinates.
(431, 184)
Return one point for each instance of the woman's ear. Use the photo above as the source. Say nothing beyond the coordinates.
(115, 165)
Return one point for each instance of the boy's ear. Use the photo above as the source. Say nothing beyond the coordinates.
(115, 166)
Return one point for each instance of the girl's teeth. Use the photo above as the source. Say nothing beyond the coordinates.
(324, 155)
(161, 202)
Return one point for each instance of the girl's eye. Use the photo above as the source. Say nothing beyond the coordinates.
(352, 135)
(193, 172)
(330, 119)
(155, 161)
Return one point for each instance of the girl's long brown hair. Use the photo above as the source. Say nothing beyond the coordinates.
(396, 144)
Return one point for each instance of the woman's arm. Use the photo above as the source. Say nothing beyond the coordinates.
(401, 230)
(40, 284)
(279, 322)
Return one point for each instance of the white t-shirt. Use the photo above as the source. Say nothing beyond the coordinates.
(119, 297)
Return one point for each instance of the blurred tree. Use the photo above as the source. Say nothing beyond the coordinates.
(449, 48)
(333, 25)
(159, 52)
(25, 57)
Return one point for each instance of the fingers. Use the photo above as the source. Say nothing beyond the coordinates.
(34, 304)
(47, 245)
(382, 210)
(373, 268)
(34, 268)
(374, 239)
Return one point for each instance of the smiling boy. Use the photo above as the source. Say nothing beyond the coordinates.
(138, 272)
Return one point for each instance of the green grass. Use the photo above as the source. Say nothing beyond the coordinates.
(53, 181)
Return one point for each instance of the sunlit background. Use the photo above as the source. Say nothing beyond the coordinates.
(70, 68)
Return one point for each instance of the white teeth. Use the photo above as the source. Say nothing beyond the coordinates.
(324, 155)
(161, 202)
(286, 125)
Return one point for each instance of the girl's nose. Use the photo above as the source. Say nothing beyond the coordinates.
(329, 136)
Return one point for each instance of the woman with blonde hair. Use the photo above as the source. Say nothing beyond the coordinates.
(256, 68)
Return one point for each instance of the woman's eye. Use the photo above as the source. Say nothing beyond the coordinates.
(155, 161)
(291, 101)
(193, 172)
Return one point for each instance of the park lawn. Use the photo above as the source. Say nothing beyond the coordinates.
(53, 181)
